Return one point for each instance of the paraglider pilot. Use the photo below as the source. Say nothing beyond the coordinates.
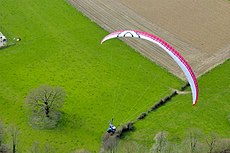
(111, 128)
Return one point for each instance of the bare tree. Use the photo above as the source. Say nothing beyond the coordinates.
(193, 140)
(45, 102)
(4, 148)
(14, 134)
(211, 140)
(1, 133)
(223, 146)
(161, 143)
(82, 151)
(132, 147)
(35, 148)
(46, 148)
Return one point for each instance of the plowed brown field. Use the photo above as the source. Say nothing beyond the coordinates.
(198, 29)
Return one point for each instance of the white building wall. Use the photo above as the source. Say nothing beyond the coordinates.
(3, 40)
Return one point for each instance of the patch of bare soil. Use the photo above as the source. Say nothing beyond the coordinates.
(198, 29)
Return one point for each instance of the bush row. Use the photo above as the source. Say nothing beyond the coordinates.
(157, 105)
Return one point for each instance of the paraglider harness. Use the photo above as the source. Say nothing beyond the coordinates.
(112, 128)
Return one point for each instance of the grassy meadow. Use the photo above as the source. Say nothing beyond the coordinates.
(209, 115)
(61, 47)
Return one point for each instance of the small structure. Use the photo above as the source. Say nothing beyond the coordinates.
(3, 40)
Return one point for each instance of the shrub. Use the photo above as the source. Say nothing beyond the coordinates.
(142, 116)
(109, 142)
(4, 149)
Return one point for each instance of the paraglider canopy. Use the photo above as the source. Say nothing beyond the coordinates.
(183, 64)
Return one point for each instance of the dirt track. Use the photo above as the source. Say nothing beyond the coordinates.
(199, 30)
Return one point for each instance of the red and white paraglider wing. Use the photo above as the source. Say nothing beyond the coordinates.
(183, 64)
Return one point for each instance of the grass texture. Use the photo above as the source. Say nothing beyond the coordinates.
(61, 47)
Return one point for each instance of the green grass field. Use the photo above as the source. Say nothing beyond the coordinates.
(210, 115)
(61, 47)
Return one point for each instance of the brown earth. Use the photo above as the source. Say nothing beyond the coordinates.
(198, 29)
